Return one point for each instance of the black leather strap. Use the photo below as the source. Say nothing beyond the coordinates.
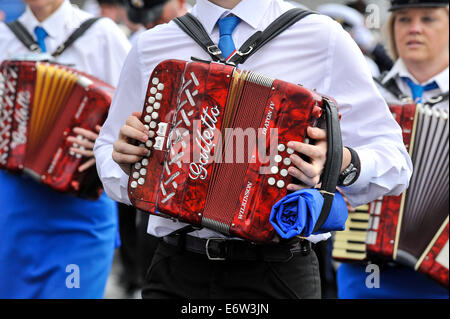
(193, 27)
(23, 35)
(26, 38)
(333, 163)
(391, 86)
(190, 24)
(259, 39)
(75, 35)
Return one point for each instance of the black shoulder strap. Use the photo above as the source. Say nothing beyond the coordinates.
(193, 27)
(391, 86)
(25, 37)
(437, 99)
(75, 35)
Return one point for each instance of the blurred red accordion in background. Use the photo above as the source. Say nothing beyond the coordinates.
(40, 104)
(412, 228)
(195, 111)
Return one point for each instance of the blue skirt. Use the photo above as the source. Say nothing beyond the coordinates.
(53, 245)
(394, 283)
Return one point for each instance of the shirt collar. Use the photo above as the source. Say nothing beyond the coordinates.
(400, 70)
(208, 13)
(52, 24)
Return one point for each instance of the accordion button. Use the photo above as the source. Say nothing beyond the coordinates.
(151, 133)
(78, 155)
(158, 96)
(290, 150)
(280, 184)
(134, 184)
(136, 175)
(155, 115)
(153, 124)
(157, 105)
(141, 181)
(278, 158)
(146, 126)
(143, 171)
(281, 148)
(160, 86)
(284, 172)
(144, 162)
(72, 153)
(155, 81)
(147, 119)
(151, 100)
(153, 90)
(149, 143)
(274, 169)
(287, 161)
(271, 181)
(137, 165)
(149, 109)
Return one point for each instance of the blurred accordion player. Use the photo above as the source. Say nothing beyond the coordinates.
(196, 113)
(40, 104)
(412, 228)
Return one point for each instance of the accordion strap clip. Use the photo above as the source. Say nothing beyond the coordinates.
(324, 192)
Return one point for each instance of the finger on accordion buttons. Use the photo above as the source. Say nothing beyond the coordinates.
(85, 133)
(131, 132)
(80, 142)
(81, 151)
(86, 165)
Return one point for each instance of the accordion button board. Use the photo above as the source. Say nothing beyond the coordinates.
(217, 155)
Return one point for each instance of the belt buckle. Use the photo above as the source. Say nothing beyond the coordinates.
(208, 241)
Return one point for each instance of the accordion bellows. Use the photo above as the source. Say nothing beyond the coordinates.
(40, 104)
(412, 228)
(218, 154)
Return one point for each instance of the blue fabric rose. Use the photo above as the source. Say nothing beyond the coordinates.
(297, 214)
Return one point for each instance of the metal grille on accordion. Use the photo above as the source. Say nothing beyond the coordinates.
(195, 112)
(412, 228)
(40, 104)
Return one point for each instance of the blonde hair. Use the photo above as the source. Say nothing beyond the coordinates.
(389, 30)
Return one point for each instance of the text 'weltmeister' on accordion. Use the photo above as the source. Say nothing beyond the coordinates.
(218, 155)
(40, 104)
(413, 228)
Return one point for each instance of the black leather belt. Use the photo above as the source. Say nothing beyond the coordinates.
(234, 249)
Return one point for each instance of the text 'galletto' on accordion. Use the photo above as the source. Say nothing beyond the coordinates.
(218, 155)
(412, 228)
(40, 104)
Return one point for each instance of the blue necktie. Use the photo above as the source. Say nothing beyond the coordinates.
(417, 89)
(226, 27)
(41, 34)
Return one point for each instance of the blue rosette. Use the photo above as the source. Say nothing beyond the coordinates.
(297, 214)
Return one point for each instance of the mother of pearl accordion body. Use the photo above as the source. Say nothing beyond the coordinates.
(40, 104)
(412, 228)
(194, 112)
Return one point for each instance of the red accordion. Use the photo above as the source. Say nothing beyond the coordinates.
(40, 104)
(412, 228)
(196, 112)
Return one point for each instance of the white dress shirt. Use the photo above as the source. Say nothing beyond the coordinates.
(400, 70)
(315, 52)
(100, 51)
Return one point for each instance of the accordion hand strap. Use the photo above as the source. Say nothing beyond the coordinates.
(25, 37)
(193, 27)
(333, 163)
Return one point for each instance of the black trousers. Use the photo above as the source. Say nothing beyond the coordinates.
(183, 274)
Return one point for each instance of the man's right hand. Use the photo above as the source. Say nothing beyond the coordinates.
(124, 152)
